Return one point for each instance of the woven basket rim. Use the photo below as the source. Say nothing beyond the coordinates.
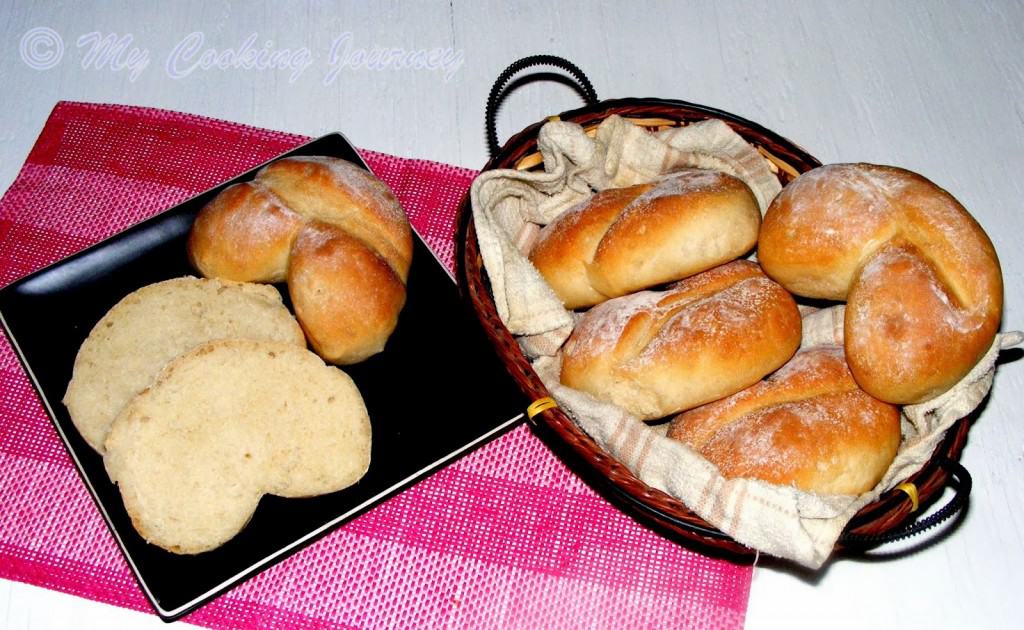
(655, 507)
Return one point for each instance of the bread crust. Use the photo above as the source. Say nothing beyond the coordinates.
(565, 247)
(658, 353)
(346, 297)
(921, 278)
(808, 425)
(244, 234)
(340, 193)
(624, 240)
(254, 230)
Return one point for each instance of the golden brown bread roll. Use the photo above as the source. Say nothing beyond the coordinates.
(332, 230)
(626, 239)
(711, 335)
(921, 278)
(340, 193)
(244, 234)
(347, 315)
(808, 425)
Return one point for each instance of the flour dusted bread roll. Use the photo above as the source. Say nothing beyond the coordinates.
(244, 234)
(335, 232)
(626, 239)
(921, 278)
(129, 346)
(806, 425)
(711, 335)
(346, 299)
(225, 424)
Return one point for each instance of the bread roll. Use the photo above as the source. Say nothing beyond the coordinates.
(657, 353)
(921, 278)
(332, 230)
(346, 296)
(129, 346)
(225, 424)
(626, 239)
(807, 425)
(245, 234)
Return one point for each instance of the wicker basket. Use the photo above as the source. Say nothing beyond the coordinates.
(878, 522)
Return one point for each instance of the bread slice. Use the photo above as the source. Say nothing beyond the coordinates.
(223, 425)
(131, 343)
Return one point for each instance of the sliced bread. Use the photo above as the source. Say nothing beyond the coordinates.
(225, 424)
(131, 343)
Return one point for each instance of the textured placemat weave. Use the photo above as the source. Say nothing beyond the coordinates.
(505, 537)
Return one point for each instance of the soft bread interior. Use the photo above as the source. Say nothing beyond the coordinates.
(225, 424)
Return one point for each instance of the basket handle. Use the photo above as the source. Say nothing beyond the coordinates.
(959, 480)
(501, 89)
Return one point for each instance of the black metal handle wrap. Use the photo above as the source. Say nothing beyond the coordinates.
(959, 479)
(499, 92)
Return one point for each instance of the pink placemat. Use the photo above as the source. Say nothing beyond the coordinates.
(505, 537)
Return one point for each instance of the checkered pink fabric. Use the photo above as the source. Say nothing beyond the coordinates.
(505, 537)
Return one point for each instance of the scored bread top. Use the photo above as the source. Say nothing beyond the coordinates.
(656, 353)
(340, 193)
(808, 425)
(244, 234)
(323, 297)
(623, 240)
(921, 278)
(306, 220)
(688, 222)
(565, 248)
(247, 231)
(129, 346)
(223, 425)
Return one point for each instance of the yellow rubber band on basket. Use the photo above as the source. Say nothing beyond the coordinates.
(911, 491)
(540, 405)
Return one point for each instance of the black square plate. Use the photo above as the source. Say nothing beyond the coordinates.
(437, 357)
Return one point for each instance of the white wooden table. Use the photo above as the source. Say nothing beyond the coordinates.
(934, 87)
